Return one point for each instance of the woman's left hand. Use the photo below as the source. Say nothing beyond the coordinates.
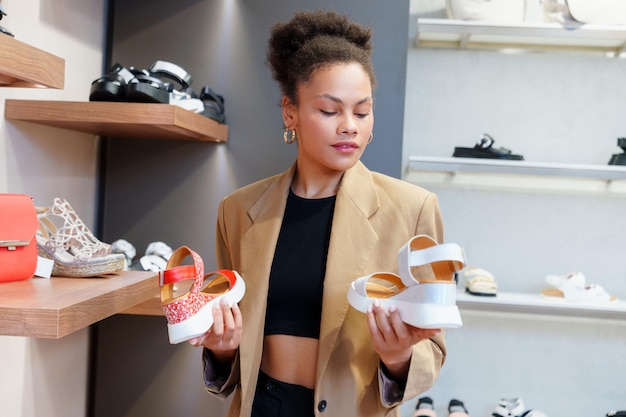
(393, 339)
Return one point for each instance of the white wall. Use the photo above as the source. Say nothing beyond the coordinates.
(43, 377)
(550, 107)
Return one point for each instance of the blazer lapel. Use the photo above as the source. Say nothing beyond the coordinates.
(266, 215)
(351, 243)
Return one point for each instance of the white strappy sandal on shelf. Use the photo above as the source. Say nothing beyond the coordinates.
(76, 252)
(572, 288)
(424, 293)
(479, 281)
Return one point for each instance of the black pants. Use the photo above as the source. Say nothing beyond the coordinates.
(275, 398)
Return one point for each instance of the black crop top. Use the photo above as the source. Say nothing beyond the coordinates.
(294, 300)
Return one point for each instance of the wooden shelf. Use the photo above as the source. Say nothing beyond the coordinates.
(450, 33)
(533, 304)
(55, 307)
(22, 65)
(128, 120)
(517, 174)
(149, 307)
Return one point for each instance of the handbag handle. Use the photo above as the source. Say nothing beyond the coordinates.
(12, 244)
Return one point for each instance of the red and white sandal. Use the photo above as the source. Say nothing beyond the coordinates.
(189, 313)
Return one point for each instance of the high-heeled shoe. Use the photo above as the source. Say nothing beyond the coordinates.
(76, 252)
(189, 312)
(73, 235)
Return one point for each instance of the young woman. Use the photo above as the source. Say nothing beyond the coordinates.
(294, 346)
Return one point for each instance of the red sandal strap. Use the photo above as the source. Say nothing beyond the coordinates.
(174, 272)
(177, 274)
(230, 275)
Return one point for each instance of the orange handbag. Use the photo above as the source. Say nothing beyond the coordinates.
(18, 244)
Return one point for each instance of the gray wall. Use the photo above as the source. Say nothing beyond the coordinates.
(169, 190)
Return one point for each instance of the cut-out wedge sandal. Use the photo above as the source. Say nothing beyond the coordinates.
(189, 311)
(426, 302)
(76, 252)
(572, 288)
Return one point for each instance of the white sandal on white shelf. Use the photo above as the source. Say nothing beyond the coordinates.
(479, 281)
(572, 288)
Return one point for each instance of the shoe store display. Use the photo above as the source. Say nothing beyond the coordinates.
(425, 291)
(484, 149)
(189, 311)
(425, 408)
(619, 158)
(213, 105)
(163, 82)
(572, 288)
(514, 407)
(76, 252)
(478, 281)
(509, 407)
(155, 258)
(456, 408)
(2, 29)
(125, 248)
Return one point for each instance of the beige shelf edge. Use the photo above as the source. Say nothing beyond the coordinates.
(55, 307)
(127, 120)
(22, 65)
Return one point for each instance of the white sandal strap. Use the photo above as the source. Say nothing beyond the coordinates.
(408, 257)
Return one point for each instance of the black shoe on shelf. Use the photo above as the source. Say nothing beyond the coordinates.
(619, 158)
(485, 149)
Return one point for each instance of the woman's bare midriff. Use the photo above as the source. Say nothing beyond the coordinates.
(290, 359)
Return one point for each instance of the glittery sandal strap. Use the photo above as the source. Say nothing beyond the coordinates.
(174, 272)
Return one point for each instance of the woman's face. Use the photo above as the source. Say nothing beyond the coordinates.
(334, 118)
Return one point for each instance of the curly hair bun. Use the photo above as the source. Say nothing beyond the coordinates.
(312, 39)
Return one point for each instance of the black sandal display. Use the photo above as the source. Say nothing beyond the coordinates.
(112, 85)
(2, 29)
(485, 149)
(619, 158)
(213, 105)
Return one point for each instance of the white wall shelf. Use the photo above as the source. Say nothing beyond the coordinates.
(510, 302)
(449, 33)
(517, 174)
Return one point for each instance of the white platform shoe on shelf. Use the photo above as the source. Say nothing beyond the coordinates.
(425, 291)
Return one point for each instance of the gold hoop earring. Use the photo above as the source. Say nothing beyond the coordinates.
(371, 138)
(289, 136)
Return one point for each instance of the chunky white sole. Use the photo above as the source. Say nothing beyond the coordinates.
(424, 305)
(202, 321)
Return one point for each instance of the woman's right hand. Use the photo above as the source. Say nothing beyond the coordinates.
(224, 337)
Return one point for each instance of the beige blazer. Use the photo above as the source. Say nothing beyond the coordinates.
(375, 215)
